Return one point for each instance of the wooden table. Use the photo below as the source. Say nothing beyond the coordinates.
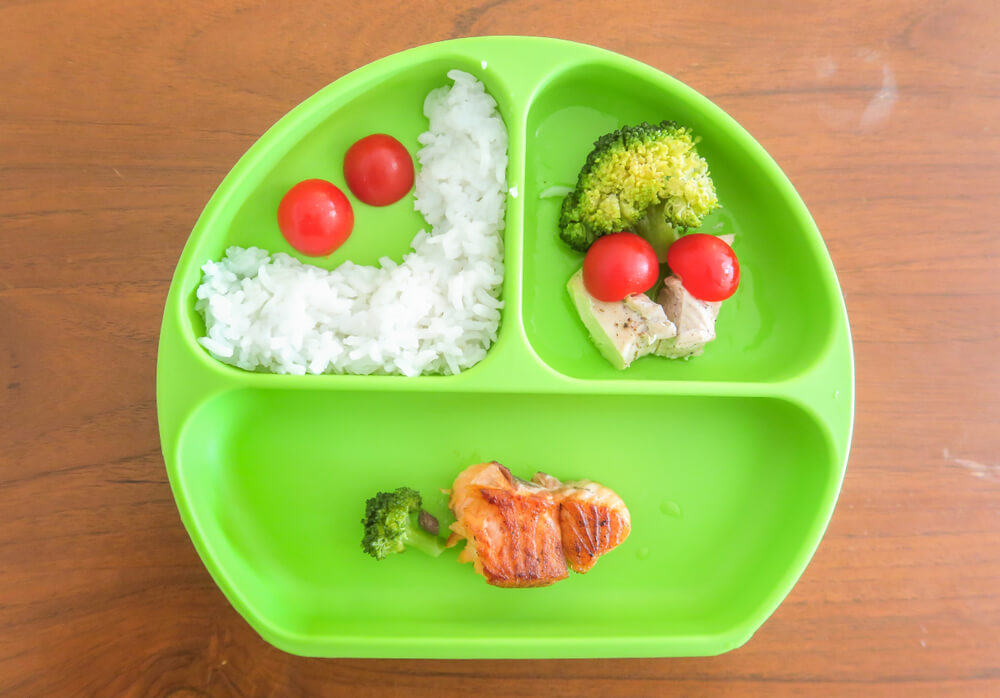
(117, 121)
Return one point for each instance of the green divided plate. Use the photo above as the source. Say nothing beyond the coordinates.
(730, 463)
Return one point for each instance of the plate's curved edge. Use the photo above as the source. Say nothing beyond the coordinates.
(841, 355)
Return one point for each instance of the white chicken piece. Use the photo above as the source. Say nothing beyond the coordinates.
(693, 318)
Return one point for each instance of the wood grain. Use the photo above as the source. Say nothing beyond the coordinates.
(117, 121)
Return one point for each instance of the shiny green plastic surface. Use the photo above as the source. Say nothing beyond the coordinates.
(730, 463)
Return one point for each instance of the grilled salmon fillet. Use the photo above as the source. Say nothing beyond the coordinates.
(592, 519)
(512, 527)
(523, 534)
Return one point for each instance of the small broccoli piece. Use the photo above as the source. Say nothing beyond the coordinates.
(392, 524)
(648, 179)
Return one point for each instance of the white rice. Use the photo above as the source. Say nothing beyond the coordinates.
(436, 312)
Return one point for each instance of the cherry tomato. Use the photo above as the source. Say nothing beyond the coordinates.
(378, 169)
(706, 265)
(315, 217)
(619, 265)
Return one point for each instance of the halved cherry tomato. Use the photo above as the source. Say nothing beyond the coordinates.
(619, 265)
(706, 265)
(315, 217)
(378, 169)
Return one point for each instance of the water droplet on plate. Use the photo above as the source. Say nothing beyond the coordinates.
(671, 508)
(643, 553)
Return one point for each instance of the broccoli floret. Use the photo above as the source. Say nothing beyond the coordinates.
(393, 523)
(648, 179)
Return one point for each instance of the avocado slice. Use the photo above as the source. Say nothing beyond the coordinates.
(622, 331)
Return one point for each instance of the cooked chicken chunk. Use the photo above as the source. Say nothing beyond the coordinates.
(592, 519)
(512, 527)
(694, 319)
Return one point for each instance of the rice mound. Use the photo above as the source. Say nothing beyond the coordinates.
(436, 312)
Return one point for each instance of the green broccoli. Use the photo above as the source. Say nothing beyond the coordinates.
(648, 179)
(394, 521)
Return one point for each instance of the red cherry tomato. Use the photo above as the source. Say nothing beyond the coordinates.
(378, 169)
(706, 265)
(315, 217)
(619, 265)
